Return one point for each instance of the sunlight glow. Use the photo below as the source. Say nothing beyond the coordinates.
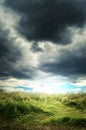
(46, 84)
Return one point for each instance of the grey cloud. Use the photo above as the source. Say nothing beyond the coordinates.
(9, 55)
(70, 63)
(24, 72)
(35, 48)
(48, 20)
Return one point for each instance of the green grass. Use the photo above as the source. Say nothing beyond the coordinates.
(23, 111)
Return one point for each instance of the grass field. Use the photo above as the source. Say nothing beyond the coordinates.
(23, 111)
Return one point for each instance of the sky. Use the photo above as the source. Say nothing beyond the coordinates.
(43, 46)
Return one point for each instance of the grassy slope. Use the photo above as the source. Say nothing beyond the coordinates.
(42, 112)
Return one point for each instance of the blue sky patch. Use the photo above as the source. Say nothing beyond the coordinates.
(25, 88)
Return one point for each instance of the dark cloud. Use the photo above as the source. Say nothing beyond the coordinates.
(45, 20)
(24, 73)
(9, 55)
(35, 48)
(48, 20)
(70, 64)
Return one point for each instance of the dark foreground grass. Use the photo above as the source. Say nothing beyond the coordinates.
(22, 111)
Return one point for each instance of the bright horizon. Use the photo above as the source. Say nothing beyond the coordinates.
(50, 85)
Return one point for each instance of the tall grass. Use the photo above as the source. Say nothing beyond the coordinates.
(39, 111)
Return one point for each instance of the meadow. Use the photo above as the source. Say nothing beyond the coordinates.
(24, 111)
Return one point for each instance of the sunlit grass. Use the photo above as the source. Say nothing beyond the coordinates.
(42, 112)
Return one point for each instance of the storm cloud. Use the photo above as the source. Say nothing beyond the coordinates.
(48, 20)
(35, 48)
(69, 65)
(8, 53)
(9, 56)
(70, 60)
(42, 39)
